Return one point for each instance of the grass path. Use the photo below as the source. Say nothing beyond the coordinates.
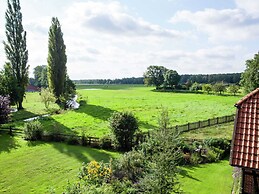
(215, 178)
(36, 167)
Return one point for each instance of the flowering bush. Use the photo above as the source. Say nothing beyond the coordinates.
(95, 172)
(4, 109)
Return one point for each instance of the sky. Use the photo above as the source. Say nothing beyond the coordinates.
(107, 39)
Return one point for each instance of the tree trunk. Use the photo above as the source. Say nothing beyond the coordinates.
(20, 107)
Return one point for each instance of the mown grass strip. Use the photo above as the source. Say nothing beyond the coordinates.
(34, 167)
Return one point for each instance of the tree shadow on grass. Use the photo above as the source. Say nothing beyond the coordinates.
(22, 114)
(147, 126)
(8, 142)
(104, 114)
(96, 111)
(82, 154)
(185, 173)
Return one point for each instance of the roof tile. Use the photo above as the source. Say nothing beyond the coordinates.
(245, 142)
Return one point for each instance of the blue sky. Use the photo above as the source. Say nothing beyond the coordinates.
(121, 38)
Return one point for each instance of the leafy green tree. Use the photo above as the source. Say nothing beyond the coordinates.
(8, 84)
(250, 77)
(219, 87)
(40, 76)
(155, 75)
(207, 88)
(47, 97)
(233, 89)
(16, 49)
(57, 59)
(195, 87)
(171, 78)
(123, 125)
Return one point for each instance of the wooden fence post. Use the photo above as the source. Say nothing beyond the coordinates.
(11, 131)
(209, 122)
(188, 126)
(217, 120)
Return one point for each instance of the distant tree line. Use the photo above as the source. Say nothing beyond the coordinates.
(132, 80)
(229, 78)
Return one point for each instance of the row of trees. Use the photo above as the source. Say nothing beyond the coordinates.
(131, 80)
(161, 76)
(14, 76)
(230, 78)
(218, 88)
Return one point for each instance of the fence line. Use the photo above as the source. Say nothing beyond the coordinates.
(140, 137)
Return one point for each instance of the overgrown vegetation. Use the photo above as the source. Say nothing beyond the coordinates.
(4, 109)
(150, 168)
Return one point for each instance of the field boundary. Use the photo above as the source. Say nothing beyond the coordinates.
(204, 123)
(107, 142)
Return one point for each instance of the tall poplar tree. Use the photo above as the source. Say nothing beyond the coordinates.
(57, 59)
(16, 49)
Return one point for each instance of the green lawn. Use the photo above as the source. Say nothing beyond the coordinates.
(100, 101)
(213, 178)
(217, 131)
(38, 166)
(145, 104)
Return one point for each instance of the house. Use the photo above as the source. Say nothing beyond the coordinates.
(245, 141)
(31, 88)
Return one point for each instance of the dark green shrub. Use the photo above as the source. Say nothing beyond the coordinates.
(212, 156)
(123, 126)
(131, 166)
(124, 187)
(105, 142)
(219, 145)
(33, 130)
(196, 158)
(55, 134)
(72, 140)
(83, 139)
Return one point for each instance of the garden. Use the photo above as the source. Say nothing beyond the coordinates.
(98, 104)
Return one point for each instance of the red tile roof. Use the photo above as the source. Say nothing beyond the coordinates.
(245, 142)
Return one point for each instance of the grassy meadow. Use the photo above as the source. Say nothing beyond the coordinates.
(217, 131)
(37, 167)
(100, 101)
(212, 178)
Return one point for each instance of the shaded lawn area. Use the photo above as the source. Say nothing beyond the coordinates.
(38, 166)
(217, 131)
(215, 178)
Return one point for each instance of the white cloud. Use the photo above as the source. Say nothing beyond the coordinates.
(112, 18)
(105, 40)
(221, 25)
(251, 7)
(210, 60)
